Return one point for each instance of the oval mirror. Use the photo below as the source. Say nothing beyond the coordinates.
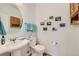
(11, 18)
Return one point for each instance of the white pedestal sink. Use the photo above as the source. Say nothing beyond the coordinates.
(10, 46)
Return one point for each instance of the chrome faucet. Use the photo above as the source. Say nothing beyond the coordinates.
(13, 40)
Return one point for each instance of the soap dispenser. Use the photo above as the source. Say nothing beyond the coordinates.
(3, 40)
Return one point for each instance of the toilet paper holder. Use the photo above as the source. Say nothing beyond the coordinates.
(55, 43)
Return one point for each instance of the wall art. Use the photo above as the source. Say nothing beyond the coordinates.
(62, 25)
(58, 18)
(44, 28)
(48, 23)
(54, 29)
(51, 17)
(42, 23)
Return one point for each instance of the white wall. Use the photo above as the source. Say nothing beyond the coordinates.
(64, 37)
(31, 11)
(76, 28)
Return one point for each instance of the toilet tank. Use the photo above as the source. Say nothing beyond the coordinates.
(32, 41)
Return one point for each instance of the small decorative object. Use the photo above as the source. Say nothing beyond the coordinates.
(62, 25)
(41, 23)
(51, 17)
(58, 18)
(3, 40)
(54, 29)
(44, 28)
(48, 23)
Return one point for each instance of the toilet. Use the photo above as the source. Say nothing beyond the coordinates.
(37, 49)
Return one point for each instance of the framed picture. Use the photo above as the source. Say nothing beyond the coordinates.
(44, 28)
(51, 17)
(54, 29)
(48, 23)
(42, 23)
(62, 25)
(58, 18)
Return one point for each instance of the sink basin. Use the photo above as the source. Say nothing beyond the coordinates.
(11, 46)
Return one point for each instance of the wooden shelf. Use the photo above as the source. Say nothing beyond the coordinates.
(75, 18)
(74, 13)
(14, 21)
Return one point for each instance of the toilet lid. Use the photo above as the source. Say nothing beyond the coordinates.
(39, 47)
